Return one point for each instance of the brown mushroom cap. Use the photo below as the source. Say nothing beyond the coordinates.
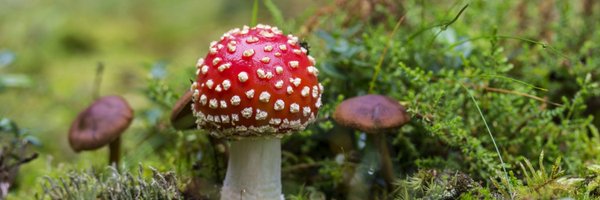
(371, 113)
(101, 123)
(182, 117)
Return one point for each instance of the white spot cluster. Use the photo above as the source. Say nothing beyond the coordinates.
(210, 94)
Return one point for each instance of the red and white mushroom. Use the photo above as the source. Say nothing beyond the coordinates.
(255, 86)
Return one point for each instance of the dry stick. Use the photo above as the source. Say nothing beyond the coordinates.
(500, 90)
(505, 91)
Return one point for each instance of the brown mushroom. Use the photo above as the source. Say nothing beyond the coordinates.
(182, 117)
(374, 114)
(100, 124)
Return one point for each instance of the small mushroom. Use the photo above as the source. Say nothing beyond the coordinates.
(255, 86)
(374, 115)
(100, 124)
(182, 117)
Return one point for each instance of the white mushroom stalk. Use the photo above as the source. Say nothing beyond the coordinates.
(254, 169)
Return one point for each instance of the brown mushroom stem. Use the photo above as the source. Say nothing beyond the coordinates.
(387, 168)
(114, 149)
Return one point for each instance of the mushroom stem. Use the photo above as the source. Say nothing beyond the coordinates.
(254, 170)
(387, 169)
(114, 149)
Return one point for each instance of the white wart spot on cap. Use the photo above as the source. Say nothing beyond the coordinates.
(195, 94)
(318, 104)
(275, 121)
(218, 88)
(260, 115)
(264, 97)
(312, 70)
(225, 118)
(265, 60)
(223, 104)
(224, 66)
(231, 47)
(296, 81)
(200, 62)
(210, 83)
(251, 39)
(235, 117)
(213, 103)
(294, 108)
(204, 69)
(193, 86)
(243, 76)
(250, 93)
(279, 105)
(293, 64)
(278, 69)
(216, 61)
(266, 34)
(290, 90)
(268, 48)
(306, 111)
(312, 60)
(315, 91)
(203, 99)
(279, 84)
(283, 47)
(235, 100)
(248, 53)
(261, 73)
(305, 91)
(226, 84)
(247, 112)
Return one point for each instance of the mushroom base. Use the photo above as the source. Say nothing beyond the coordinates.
(254, 170)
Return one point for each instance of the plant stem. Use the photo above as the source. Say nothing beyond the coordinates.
(254, 13)
(254, 170)
(98, 80)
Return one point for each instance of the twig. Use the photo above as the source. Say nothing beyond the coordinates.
(380, 62)
(98, 80)
(505, 91)
(300, 167)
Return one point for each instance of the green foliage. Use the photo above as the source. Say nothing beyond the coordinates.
(112, 184)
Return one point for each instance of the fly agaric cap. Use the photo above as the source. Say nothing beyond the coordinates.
(371, 113)
(256, 81)
(100, 123)
(181, 116)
